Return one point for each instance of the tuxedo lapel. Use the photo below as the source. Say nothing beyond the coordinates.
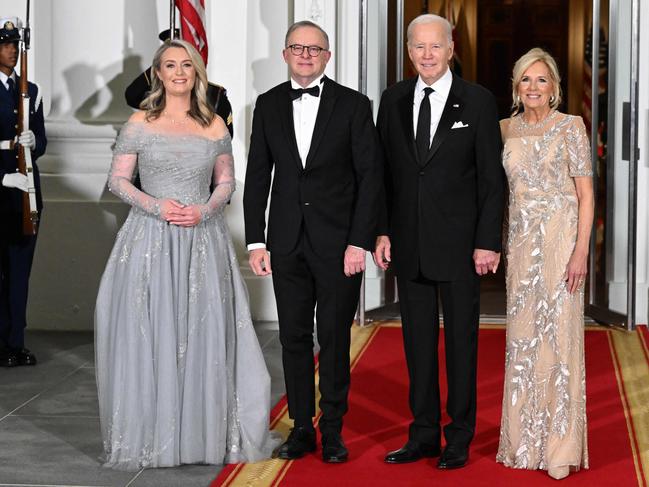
(286, 115)
(451, 114)
(405, 108)
(325, 109)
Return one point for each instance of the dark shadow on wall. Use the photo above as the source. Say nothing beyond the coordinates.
(79, 227)
(261, 67)
(96, 91)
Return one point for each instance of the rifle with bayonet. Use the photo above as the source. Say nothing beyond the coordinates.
(30, 210)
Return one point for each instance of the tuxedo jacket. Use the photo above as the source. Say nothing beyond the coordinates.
(438, 210)
(11, 198)
(334, 197)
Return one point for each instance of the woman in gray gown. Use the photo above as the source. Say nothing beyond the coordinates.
(180, 374)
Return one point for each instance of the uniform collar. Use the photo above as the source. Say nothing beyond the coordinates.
(4, 77)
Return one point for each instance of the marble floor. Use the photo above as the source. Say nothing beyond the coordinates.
(49, 424)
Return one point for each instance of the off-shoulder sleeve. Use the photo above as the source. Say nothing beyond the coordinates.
(578, 149)
(224, 182)
(129, 140)
(123, 168)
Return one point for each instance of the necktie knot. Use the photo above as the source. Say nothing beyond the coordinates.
(428, 90)
(298, 92)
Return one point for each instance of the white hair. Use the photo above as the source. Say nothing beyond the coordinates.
(430, 19)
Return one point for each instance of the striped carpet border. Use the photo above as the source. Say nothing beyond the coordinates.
(631, 359)
(271, 472)
(630, 354)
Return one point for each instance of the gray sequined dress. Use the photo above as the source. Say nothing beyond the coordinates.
(543, 421)
(180, 374)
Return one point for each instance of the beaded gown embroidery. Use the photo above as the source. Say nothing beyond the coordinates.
(543, 421)
(180, 374)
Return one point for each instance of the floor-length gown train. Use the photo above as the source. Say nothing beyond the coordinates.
(180, 374)
(544, 404)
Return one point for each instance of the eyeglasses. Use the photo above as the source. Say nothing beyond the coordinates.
(298, 49)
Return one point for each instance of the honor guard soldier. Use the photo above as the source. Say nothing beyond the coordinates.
(216, 94)
(16, 249)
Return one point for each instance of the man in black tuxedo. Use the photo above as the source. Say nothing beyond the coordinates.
(440, 231)
(319, 138)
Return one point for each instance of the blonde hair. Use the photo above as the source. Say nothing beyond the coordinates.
(526, 60)
(199, 109)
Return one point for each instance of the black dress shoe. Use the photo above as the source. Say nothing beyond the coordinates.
(411, 452)
(453, 457)
(333, 448)
(25, 357)
(8, 358)
(300, 441)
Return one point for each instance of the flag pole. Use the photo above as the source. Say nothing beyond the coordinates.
(172, 19)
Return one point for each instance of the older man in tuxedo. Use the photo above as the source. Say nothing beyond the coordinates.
(319, 139)
(440, 231)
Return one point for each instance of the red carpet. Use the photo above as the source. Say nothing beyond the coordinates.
(378, 418)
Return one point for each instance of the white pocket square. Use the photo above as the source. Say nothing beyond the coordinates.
(459, 125)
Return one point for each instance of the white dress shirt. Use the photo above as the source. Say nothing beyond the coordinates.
(4, 78)
(305, 111)
(437, 99)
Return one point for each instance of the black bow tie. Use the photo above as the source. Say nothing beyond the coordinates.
(298, 92)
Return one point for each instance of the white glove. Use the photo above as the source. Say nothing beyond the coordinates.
(15, 180)
(27, 139)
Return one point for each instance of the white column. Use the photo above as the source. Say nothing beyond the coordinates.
(642, 291)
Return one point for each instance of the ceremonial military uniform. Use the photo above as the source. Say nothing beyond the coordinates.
(16, 249)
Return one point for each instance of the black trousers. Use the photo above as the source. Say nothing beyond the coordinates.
(304, 281)
(420, 324)
(16, 256)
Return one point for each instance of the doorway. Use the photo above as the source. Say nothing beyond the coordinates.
(489, 36)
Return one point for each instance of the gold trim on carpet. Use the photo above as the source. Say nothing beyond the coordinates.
(271, 472)
(630, 358)
(632, 373)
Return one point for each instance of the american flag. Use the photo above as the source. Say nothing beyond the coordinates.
(192, 22)
(602, 71)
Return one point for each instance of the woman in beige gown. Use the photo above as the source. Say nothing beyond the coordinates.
(547, 160)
